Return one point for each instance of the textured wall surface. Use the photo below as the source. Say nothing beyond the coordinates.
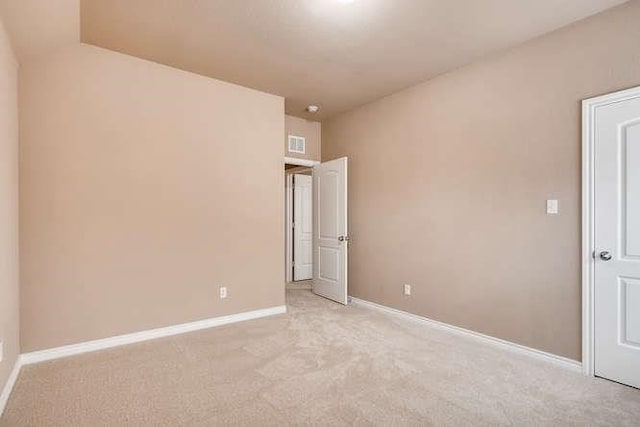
(308, 129)
(9, 292)
(143, 189)
(448, 182)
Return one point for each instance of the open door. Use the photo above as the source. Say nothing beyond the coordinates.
(302, 227)
(330, 237)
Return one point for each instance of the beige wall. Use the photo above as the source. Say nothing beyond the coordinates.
(448, 181)
(39, 26)
(143, 188)
(9, 302)
(310, 130)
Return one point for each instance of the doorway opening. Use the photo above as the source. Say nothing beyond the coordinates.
(298, 226)
(316, 231)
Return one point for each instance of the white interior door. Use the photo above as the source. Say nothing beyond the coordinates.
(617, 242)
(302, 227)
(330, 237)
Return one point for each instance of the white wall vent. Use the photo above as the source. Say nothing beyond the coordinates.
(296, 144)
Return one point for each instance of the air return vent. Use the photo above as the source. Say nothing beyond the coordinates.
(296, 144)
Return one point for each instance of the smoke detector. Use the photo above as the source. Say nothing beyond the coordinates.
(312, 109)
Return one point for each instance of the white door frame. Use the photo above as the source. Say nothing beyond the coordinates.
(287, 228)
(288, 209)
(300, 162)
(589, 107)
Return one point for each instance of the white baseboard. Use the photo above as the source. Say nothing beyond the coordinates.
(101, 344)
(532, 352)
(11, 382)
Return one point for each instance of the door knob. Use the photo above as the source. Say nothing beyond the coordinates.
(605, 255)
(344, 238)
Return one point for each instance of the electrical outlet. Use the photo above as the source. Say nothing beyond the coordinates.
(407, 290)
(223, 292)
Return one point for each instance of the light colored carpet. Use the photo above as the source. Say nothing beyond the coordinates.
(301, 284)
(320, 364)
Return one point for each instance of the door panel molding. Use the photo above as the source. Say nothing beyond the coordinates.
(589, 108)
(629, 296)
(629, 153)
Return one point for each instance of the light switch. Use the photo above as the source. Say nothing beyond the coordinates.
(552, 207)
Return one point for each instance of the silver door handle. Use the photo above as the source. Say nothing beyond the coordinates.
(344, 238)
(606, 256)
